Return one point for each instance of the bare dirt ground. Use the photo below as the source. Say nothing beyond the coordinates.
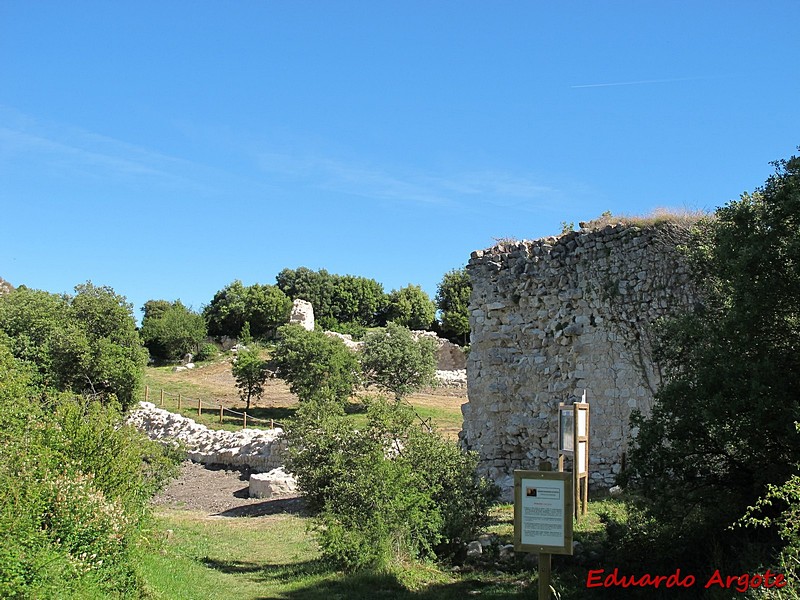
(220, 492)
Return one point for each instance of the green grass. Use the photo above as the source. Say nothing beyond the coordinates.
(189, 556)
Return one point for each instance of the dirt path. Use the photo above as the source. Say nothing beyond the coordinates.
(220, 493)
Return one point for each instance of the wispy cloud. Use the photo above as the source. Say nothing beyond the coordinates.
(464, 190)
(637, 82)
(64, 149)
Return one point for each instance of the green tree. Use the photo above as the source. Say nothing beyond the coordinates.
(337, 299)
(315, 365)
(86, 343)
(411, 307)
(313, 286)
(452, 300)
(172, 331)
(396, 362)
(265, 307)
(722, 427)
(357, 300)
(250, 373)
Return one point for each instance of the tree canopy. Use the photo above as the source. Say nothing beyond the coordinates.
(86, 343)
(265, 307)
(337, 299)
(396, 362)
(452, 300)
(722, 427)
(170, 330)
(316, 366)
(411, 307)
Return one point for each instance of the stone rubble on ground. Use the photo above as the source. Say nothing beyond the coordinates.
(276, 482)
(259, 449)
(347, 339)
(456, 378)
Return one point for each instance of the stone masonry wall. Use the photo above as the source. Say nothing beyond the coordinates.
(555, 316)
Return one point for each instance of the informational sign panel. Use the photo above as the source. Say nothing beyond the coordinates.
(543, 512)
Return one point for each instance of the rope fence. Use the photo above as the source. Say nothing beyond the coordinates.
(187, 404)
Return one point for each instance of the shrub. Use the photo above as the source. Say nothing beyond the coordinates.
(388, 491)
(396, 362)
(74, 491)
(265, 307)
(411, 307)
(85, 343)
(315, 365)
(207, 351)
(172, 331)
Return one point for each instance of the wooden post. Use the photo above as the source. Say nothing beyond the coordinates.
(220, 413)
(180, 398)
(199, 407)
(544, 576)
(162, 397)
(272, 423)
(244, 421)
(147, 393)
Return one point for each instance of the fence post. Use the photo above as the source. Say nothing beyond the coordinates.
(272, 423)
(147, 393)
(220, 413)
(179, 401)
(162, 397)
(199, 407)
(244, 421)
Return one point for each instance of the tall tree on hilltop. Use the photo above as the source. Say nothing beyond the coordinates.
(452, 299)
(265, 307)
(411, 307)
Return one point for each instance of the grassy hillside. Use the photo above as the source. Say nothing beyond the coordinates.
(213, 384)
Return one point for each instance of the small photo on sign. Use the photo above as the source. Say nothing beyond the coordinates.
(531, 491)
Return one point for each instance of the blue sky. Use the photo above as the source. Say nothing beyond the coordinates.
(168, 148)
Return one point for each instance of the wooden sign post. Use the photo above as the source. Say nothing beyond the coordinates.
(543, 518)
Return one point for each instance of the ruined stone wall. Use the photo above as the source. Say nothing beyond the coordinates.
(555, 316)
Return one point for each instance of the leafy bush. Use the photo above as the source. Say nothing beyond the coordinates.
(86, 343)
(355, 330)
(265, 307)
(315, 365)
(720, 432)
(172, 331)
(388, 491)
(780, 507)
(74, 491)
(207, 352)
(396, 362)
(410, 307)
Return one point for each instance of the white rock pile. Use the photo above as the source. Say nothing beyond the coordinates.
(455, 378)
(259, 449)
(273, 484)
